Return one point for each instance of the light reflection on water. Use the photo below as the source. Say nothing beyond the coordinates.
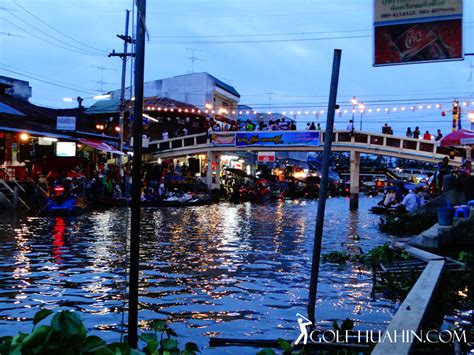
(220, 270)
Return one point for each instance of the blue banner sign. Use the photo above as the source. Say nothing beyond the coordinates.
(272, 139)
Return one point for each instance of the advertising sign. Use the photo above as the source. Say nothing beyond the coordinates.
(272, 139)
(65, 149)
(65, 123)
(266, 157)
(413, 31)
(396, 10)
(223, 139)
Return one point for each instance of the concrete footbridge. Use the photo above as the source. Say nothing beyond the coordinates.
(218, 143)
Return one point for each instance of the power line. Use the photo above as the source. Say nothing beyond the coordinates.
(261, 41)
(48, 82)
(10, 34)
(55, 29)
(261, 34)
(77, 49)
(42, 77)
(45, 40)
(257, 15)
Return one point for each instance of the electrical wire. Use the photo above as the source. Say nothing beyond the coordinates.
(261, 41)
(75, 49)
(58, 31)
(44, 78)
(261, 35)
(48, 82)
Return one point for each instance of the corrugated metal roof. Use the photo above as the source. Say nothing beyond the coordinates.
(104, 106)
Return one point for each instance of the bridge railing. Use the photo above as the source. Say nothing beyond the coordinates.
(363, 139)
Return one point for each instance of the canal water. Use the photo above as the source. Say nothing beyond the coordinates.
(225, 270)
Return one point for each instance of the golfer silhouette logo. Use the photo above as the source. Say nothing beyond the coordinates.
(303, 323)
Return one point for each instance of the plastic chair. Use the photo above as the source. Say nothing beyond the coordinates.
(471, 203)
(461, 211)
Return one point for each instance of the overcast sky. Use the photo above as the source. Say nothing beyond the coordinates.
(280, 54)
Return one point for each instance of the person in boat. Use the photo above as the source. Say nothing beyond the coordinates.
(410, 201)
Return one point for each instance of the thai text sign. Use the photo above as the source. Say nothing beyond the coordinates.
(409, 31)
(309, 138)
(396, 10)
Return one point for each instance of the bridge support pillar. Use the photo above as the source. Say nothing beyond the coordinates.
(355, 177)
(211, 182)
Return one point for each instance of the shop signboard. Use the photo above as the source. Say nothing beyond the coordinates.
(274, 139)
(414, 31)
(65, 123)
(266, 157)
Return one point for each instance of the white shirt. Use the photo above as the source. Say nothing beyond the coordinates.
(410, 202)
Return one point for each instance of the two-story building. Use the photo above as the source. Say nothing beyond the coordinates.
(201, 90)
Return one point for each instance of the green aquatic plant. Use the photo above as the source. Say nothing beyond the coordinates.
(67, 335)
(384, 254)
(336, 257)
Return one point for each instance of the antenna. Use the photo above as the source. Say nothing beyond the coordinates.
(270, 94)
(193, 58)
(102, 82)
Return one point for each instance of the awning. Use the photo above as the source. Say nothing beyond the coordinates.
(457, 138)
(99, 145)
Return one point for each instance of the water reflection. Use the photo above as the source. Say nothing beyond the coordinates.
(230, 270)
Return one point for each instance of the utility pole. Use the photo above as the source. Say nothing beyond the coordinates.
(318, 234)
(136, 177)
(126, 40)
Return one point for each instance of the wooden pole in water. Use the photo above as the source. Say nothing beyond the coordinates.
(136, 177)
(318, 234)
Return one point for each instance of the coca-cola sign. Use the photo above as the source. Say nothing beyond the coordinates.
(414, 31)
(411, 43)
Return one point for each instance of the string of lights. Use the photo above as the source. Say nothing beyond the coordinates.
(361, 109)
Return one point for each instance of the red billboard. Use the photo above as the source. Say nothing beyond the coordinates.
(414, 31)
(418, 42)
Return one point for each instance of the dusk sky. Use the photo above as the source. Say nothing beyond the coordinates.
(279, 55)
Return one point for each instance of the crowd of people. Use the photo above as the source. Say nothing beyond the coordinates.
(416, 133)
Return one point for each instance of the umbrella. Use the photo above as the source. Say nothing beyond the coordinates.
(460, 137)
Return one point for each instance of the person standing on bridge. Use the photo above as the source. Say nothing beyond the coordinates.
(350, 127)
(439, 135)
(409, 132)
(416, 132)
(427, 136)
